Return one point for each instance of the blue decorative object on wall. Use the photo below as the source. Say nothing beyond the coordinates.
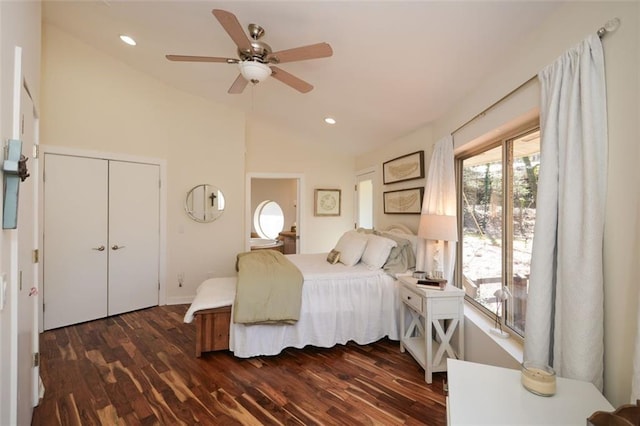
(15, 171)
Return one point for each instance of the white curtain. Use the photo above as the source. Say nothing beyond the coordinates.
(440, 198)
(565, 314)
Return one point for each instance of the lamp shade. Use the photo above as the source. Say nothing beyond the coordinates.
(438, 227)
(254, 71)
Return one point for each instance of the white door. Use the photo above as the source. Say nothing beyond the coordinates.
(75, 239)
(26, 239)
(134, 236)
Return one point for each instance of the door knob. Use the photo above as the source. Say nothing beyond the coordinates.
(101, 248)
(116, 247)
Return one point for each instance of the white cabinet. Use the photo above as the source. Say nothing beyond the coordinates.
(441, 311)
(101, 238)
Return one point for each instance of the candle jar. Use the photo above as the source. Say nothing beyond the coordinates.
(538, 378)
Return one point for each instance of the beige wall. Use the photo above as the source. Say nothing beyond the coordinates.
(274, 150)
(419, 140)
(92, 102)
(568, 26)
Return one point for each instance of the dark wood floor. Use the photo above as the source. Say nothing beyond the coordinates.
(139, 369)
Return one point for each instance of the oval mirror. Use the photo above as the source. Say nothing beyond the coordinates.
(204, 203)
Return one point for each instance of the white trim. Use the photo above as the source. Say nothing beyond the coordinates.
(13, 253)
(104, 155)
(373, 170)
(35, 167)
(162, 163)
(180, 300)
(300, 242)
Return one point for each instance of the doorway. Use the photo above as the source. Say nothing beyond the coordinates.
(274, 202)
(364, 199)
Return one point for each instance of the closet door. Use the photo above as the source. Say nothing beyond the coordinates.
(75, 240)
(134, 236)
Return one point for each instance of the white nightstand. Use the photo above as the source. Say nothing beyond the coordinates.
(487, 395)
(439, 310)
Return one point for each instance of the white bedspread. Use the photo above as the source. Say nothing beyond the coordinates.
(339, 304)
(212, 293)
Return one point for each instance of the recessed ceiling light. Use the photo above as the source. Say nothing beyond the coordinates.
(330, 120)
(128, 40)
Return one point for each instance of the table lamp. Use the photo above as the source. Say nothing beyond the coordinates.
(438, 227)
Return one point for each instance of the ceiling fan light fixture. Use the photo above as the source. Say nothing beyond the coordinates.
(254, 71)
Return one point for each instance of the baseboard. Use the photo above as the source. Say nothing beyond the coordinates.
(180, 300)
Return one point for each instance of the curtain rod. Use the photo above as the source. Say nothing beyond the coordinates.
(610, 26)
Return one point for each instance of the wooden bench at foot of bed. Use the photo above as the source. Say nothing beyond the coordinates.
(212, 329)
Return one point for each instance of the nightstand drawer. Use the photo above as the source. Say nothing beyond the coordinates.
(446, 307)
(413, 300)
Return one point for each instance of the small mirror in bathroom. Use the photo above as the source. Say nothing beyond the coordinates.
(204, 203)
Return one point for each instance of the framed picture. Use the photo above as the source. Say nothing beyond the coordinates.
(407, 167)
(326, 202)
(404, 201)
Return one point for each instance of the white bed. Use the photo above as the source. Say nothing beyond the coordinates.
(339, 304)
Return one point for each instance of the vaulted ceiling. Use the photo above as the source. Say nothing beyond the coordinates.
(396, 65)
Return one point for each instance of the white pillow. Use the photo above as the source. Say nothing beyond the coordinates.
(412, 238)
(351, 246)
(377, 251)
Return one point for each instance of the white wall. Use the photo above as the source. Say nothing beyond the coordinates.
(569, 25)
(19, 26)
(274, 150)
(419, 140)
(90, 101)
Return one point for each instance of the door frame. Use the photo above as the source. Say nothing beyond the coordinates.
(77, 152)
(12, 277)
(373, 171)
(300, 243)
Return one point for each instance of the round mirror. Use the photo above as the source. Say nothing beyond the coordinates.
(204, 203)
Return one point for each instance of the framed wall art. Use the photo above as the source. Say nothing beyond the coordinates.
(326, 202)
(407, 167)
(403, 201)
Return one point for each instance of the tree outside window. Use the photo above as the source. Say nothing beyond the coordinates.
(498, 185)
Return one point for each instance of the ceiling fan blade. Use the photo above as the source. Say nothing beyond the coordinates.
(238, 85)
(290, 80)
(231, 25)
(313, 51)
(187, 58)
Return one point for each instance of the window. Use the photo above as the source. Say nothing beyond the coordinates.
(498, 185)
(268, 219)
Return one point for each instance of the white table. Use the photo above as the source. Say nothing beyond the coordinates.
(441, 311)
(487, 395)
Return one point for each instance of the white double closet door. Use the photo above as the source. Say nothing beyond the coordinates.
(101, 238)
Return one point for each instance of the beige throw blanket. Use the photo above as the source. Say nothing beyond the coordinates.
(269, 288)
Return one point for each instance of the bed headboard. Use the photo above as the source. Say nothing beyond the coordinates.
(399, 228)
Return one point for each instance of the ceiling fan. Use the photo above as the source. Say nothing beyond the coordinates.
(256, 57)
